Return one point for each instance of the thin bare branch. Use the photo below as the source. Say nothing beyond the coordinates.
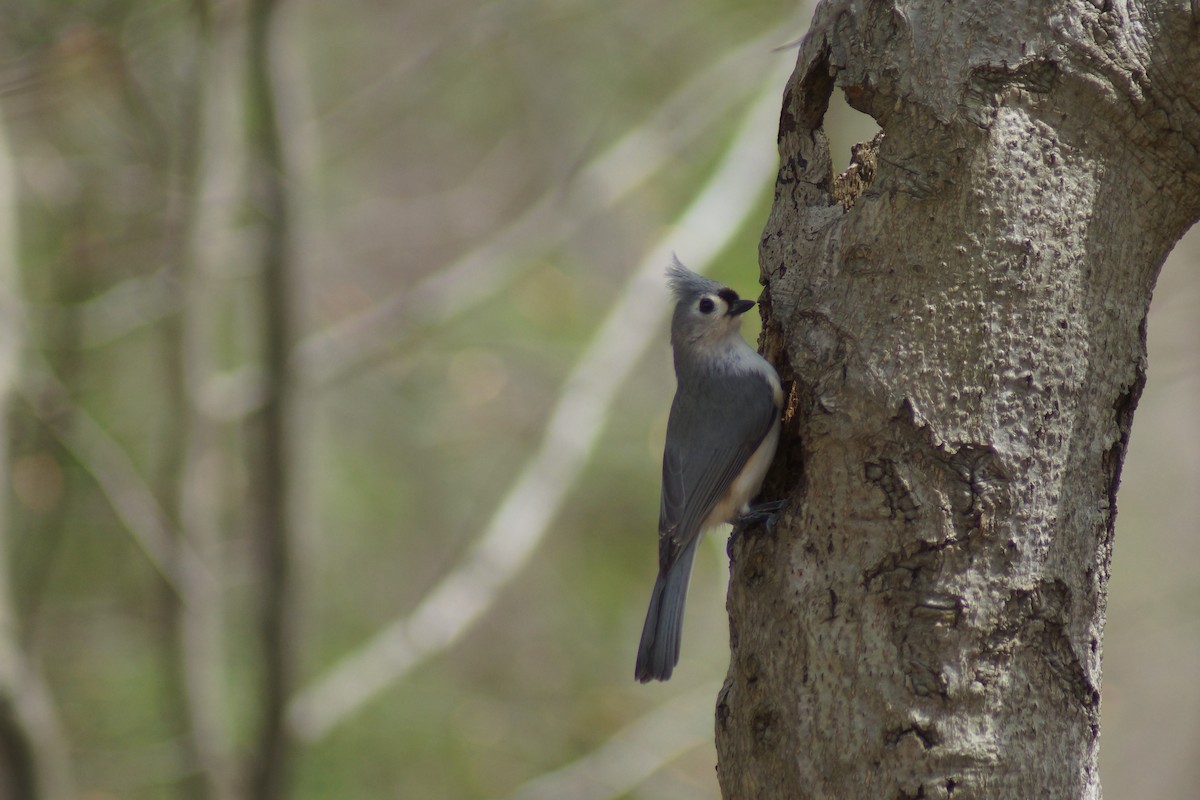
(524, 515)
(115, 474)
(123, 308)
(34, 757)
(632, 754)
(215, 88)
(600, 185)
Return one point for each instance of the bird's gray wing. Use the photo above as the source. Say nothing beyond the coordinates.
(716, 424)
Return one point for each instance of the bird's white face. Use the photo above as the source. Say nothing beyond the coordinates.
(711, 317)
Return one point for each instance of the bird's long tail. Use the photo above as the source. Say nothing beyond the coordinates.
(658, 652)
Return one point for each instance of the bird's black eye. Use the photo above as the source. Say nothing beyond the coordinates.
(706, 305)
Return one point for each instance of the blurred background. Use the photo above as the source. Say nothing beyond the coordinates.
(421, 311)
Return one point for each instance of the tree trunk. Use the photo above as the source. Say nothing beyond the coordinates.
(964, 338)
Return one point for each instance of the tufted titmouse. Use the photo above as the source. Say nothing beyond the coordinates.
(721, 437)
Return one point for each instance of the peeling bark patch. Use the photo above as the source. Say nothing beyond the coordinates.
(900, 570)
(938, 607)
(896, 491)
(850, 185)
(925, 734)
(1050, 602)
(1059, 655)
(1036, 620)
(1124, 407)
(1114, 458)
(982, 470)
(920, 641)
(1038, 76)
(982, 479)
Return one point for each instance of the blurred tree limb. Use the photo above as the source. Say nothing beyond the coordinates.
(531, 503)
(190, 476)
(34, 754)
(632, 754)
(965, 346)
(599, 185)
(270, 468)
(114, 472)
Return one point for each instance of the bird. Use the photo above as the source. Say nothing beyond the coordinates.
(721, 438)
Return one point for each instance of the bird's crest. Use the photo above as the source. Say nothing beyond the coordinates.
(685, 284)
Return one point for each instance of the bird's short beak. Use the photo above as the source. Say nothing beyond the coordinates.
(740, 307)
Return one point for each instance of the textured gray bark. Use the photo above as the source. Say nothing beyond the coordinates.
(965, 347)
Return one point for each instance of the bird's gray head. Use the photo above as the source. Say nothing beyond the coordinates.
(706, 312)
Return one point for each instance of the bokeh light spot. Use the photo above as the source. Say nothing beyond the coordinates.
(478, 376)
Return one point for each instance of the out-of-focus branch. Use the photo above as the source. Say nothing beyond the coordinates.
(270, 464)
(355, 343)
(523, 516)
(34, 760)
(632, 754)
(120, 310)
(201, 168)
(600, 185)
(114, 473)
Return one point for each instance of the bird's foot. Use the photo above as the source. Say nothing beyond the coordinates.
(763, 513)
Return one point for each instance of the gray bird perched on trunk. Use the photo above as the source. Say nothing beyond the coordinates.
(721, 438)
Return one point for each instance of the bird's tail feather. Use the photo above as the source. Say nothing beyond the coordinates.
(658, 652)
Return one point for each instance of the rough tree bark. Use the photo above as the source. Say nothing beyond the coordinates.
(965, 346)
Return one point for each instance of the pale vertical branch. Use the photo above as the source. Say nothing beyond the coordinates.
(34, 760)
(270, 471)
(179, 164)
(198, 639)
(523, 516)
